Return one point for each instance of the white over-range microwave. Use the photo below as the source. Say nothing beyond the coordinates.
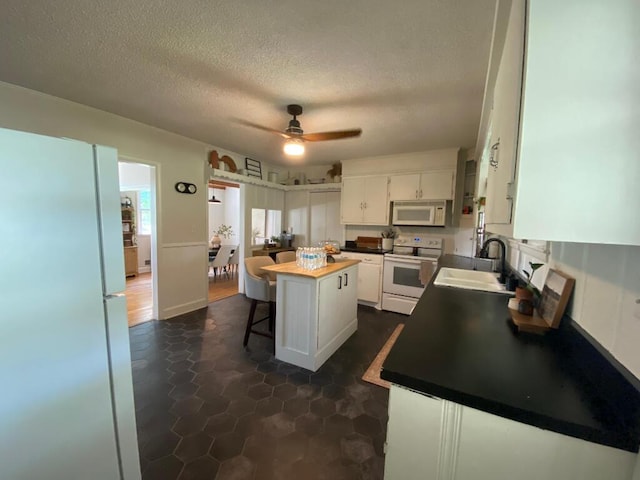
(420, 213)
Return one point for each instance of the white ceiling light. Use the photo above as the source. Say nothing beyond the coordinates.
(294, 147)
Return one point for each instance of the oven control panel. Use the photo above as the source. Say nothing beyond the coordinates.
(418, 241)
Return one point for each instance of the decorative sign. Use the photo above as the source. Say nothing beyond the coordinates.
(254, 168)
(555, 295)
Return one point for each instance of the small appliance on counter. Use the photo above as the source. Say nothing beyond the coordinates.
(407, 271)
(286, 239)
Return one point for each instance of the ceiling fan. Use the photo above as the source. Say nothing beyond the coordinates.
(296, 137)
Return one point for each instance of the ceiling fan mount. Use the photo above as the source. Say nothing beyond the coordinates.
(294, 125)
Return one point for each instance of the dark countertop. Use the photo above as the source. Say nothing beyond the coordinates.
(350, 246)
(460, 345)
(375, 251)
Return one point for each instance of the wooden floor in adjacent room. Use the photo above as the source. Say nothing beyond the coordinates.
(140, 302)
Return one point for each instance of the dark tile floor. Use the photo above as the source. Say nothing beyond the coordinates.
(208, 408)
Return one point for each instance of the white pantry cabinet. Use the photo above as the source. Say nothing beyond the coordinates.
(436, 185)
(324, 215)
(574, 144)
(429, 437)
(364, 200)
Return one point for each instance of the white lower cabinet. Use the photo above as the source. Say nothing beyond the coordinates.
(431, 438)
(369, 277)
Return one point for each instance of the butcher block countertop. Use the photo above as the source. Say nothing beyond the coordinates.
(290, 268)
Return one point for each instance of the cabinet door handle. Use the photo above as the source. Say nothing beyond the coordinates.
(416, 193)
(340, 282)
(346, 279)
(420, 193)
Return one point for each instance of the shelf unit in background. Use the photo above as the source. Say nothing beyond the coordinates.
(470, 168)
(129, 241)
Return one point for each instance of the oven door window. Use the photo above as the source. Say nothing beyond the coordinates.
(407, 276)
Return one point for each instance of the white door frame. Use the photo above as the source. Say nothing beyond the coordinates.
(154, 178)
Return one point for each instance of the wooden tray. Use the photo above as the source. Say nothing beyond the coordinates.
(529, 323)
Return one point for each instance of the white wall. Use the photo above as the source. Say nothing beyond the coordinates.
(606, 297)
(216, 213)
(182, 219)
(227, 212)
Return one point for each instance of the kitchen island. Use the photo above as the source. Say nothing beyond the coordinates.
(472, 398)
(316, 311)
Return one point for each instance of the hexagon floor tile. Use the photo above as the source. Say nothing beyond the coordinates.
(207, 408)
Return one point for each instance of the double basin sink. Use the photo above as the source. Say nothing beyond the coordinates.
(470, 280)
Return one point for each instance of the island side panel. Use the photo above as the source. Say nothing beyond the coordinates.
(296, 320)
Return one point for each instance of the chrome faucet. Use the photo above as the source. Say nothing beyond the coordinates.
(484, 253)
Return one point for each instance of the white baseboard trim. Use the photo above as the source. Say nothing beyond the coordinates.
(176, 310)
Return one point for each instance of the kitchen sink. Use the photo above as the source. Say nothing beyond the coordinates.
(470, 280)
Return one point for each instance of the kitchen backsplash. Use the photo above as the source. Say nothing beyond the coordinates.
(456, 240)
(606, 297)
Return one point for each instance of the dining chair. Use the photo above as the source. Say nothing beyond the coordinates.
(259, 287)
(234, 260)
(284, 257)
(222, 259)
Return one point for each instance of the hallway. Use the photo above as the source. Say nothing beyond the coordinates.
(140, 302)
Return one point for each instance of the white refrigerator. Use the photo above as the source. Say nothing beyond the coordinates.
(66, 394)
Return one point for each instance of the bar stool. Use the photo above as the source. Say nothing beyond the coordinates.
(285, 257)
(259, 287)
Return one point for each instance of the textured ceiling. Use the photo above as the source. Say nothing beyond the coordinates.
(409, 73)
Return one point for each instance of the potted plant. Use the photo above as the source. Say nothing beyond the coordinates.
(387, 238)
(223, 230)
(336, 172)
(528, 294)
(275, 240)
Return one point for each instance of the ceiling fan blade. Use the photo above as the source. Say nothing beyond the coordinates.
(265, 129)
(322, 136)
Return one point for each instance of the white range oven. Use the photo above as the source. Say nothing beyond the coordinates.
(407, 271)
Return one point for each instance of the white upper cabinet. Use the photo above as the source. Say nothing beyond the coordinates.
(364, 200)
(404, 187)
(436, 185)
(504, 131)
(574, 141)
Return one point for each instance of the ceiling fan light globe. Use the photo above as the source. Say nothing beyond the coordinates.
(294, 148)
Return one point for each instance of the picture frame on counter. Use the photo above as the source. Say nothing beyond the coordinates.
(555, 295)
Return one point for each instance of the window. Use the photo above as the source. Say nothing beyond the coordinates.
(264, 224)
(144, 212)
